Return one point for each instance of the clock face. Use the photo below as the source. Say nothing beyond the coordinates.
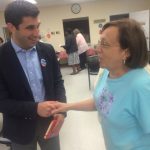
(75, 8)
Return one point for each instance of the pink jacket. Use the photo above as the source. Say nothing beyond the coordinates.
(81, 43)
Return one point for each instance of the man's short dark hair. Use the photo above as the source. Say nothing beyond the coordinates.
(18, 9)
(131, 37)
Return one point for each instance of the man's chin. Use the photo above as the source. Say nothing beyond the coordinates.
(29, 46)
(33, 44)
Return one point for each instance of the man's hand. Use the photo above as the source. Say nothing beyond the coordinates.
(45, 108)
(58, 122)
(60, 107)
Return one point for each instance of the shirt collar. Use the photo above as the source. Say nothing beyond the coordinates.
(19, 49)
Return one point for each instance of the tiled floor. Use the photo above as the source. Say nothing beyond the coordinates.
(81, 130)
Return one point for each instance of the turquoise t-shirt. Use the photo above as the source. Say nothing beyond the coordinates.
(124, 110)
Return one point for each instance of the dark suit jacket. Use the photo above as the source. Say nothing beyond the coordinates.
(16, 99)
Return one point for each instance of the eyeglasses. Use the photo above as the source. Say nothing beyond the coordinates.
(105, 45)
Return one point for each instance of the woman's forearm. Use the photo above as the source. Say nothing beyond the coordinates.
(86, 105)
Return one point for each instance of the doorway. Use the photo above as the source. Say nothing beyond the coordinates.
(81, 23)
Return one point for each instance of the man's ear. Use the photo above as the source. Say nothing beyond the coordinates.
(11, 27)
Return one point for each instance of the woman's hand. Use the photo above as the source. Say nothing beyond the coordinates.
(44, 109)
(84, 105)
(60, 107)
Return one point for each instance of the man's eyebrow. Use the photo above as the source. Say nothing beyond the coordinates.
(32, 26)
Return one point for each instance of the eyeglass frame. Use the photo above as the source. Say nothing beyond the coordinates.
(105, 45)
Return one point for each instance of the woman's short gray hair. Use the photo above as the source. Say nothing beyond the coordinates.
(76, 31)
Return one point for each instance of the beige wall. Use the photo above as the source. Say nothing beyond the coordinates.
(51, 17)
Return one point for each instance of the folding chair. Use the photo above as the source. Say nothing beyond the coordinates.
(93, 67)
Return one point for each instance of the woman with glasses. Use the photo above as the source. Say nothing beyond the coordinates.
(122, 93)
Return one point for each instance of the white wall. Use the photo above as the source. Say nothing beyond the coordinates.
(1, 25)
(143, 17)
(51, 17)
(1, 33)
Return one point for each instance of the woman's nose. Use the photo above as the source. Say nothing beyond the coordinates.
(98, 48)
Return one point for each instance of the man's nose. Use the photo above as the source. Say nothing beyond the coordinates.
(36, 32)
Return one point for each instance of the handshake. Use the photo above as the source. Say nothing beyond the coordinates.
(48, 108)
(52, 108)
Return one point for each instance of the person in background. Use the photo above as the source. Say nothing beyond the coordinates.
(82, 47)
(30, 79)
(122, 93)
(1, 41)
(72, 51)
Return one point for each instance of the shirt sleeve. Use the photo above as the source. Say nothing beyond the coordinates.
(142, 106)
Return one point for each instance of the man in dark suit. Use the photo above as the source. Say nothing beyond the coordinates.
(30, 79)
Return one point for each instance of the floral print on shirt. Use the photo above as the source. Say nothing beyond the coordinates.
(105, 101)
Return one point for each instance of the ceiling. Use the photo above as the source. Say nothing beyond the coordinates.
(43, 3)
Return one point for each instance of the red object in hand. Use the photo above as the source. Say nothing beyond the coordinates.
(49, 132)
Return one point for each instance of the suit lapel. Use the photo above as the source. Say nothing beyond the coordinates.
(15, 69)
(44, 66)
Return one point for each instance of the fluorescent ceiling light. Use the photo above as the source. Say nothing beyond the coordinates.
(32, 1)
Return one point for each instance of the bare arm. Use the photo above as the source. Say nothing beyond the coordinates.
(86, 105)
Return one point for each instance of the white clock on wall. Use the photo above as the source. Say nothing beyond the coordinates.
(75, 8)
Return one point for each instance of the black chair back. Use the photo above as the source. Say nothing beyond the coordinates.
(93, 66)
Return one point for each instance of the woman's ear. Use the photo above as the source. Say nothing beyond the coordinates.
(126, 53)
